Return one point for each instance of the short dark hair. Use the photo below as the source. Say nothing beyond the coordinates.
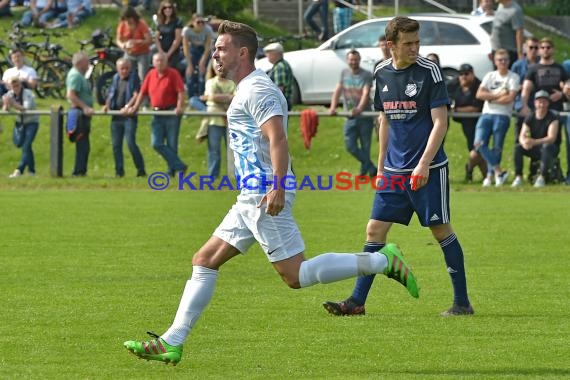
(243, 36)
(400, 24)
(353, 51)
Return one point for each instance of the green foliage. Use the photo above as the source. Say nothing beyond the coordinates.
(224, 9)
(560, 8)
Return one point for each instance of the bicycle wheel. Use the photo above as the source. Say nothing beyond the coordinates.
(51, 78)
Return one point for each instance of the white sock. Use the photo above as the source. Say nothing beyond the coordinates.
(331, 267)
(196, 296)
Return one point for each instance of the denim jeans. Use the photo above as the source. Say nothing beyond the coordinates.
(30, 131)
(166, 129)
(125, 127)
(28, 17)
(196, 82)
(82, 148)
(491, 125)
(358, 139)
(215, 135)
(141, 62)
(342, 18)
(321, 7)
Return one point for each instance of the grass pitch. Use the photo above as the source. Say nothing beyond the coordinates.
(85, 270)
(89, 263)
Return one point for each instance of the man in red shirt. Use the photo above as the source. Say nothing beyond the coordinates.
(165, 88)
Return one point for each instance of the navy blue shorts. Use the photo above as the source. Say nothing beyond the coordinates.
(396, 202)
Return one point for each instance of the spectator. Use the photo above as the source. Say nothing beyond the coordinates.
(508, 29)
(485, 8)
(281, 73)
(322, 8)
(197, 41)
(169, 34)
(218, 95)
(520, 67)
(498, 89)
(342, 15)
(77, 11)
(539, 139)
(165, 88)
(354, 86)
(27, 75)
(122, 95)
(40, 12)
(546, 75)
(384, 49)
(465, 101)
(133, 37)
(80, 96)
(566, 90)
(5, 8)
(22, 99)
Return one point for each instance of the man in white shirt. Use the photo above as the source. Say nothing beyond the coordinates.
(28, 76)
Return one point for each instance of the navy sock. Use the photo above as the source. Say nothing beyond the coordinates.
(453, 255)
(364, 283)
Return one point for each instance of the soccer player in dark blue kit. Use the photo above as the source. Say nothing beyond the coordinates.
(412, 100)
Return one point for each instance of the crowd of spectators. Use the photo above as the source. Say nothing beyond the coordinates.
(522, 71)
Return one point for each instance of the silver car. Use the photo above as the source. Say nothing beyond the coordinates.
(456, 39)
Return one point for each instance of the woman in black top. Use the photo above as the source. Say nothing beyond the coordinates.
(169, 34)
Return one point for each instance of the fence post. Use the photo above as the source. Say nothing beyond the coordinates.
(56, 142)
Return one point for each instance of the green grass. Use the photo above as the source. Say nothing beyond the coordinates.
(85, 270)
(89, 263)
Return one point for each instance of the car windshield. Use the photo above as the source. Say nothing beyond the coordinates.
(431, 33)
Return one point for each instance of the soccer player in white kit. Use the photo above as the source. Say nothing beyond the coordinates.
(257, 125)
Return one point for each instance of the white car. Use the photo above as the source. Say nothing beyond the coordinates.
(456, 39)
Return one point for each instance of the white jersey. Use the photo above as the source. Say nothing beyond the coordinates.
(256, 100)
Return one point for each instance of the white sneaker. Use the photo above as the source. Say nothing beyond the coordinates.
(500, 179)
(487, 182)
(17, 173)
(539, 181)
(517, 182)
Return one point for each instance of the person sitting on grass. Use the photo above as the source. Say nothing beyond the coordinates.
(539, 139)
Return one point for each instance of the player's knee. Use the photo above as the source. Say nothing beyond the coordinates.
(291, 281)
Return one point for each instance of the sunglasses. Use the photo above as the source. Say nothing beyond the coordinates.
(167, 7)
(535, 47)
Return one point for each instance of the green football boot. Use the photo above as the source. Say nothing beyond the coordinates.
(398, 270)
(155, 349)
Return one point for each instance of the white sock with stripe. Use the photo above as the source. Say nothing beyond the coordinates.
(196, 296)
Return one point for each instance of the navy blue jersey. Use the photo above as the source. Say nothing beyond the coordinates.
(407, 97)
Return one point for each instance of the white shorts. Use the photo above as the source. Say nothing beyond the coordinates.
(245, 223)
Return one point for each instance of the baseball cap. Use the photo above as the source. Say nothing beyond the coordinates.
(542, 94)
(275, 46)
(464, 68)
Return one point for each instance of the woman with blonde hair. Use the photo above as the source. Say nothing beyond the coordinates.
(169, 34)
